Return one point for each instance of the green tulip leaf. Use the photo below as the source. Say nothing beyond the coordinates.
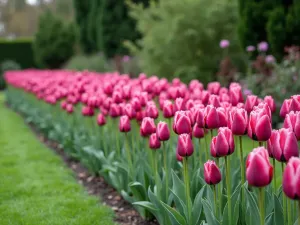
(278, 212)
(208, 211)
(175, 217)
(252, 207)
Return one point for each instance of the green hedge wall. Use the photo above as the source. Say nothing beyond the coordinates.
(18, 50)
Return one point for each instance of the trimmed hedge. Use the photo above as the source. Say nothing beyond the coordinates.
(18, 50)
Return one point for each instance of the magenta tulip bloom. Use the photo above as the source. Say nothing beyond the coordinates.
(114, 110)
(271, 103)
(212, 173)
(291, 179)
(292, 121)
(295, 103)
(162, 131)
(285, 107)
(198, 132)
(251, 101)
(211, 117)
(260, 127)
(129, 111)
(283, 145)
(214, 87)
(238, 121)
(69, 108)
(182, 123)
(185, 146)
(259, 171)
(152, 111)
(223, 143)
(179, 104)
(214, 100)
(168, 109)
(101, 119)
(154, 142)
(147, 127)
(124, 124)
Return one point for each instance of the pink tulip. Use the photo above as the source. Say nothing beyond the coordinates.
(238, 121)
(212, 173)
(182, 123)
(124, 124)
(69, 108)
(179, 104)
(63, 104)
(251, 101)
(223, 143)
(283, 145)
(295, 103)
(101, 119)
(162, 131)
(259, 171)
(185, 146)
(291, 179)
(115, 110)
(292, 121)
(214, 100)
(214, 88)
(285, 108)
(129, 111)
(147, 127)
(154, 142)
(198, 132)
(260, 127)
(271, 103)
(168, 110)
(151, 111)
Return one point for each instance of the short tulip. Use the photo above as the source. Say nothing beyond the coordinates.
(251, 101)
(198, 132)
(292, 121)
(238, 121)
(168, 109)
(182, 123)
(212, 173)
(101, 119)
(259, 171)
(154, 142)
(147, 127)
(260, 127)
(271, 103)
(162, 131)
(124, 124)
(223, 143)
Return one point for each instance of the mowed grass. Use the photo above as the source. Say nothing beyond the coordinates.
(36, 188)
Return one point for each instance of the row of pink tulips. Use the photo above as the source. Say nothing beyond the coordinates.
(218, 116)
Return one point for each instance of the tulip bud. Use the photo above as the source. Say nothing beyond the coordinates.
(152, 111)
(101, 119)
(223, 143)
(124, 124)
(285, 108)
(260, 127)
(178, 157)
(182, 123)
(283, 145)
(214, 87)
(179, 104)
(214, 100)
(135, 102)
(259, 171)
(292, 121)
(69, 108)
(185, 146)
(147, 127)
(291, 179)
(63, 104)
(238, 121)
(295, 103)
(198, 132)
(251, 101)
(154, 143)
(168, 110)
(129, 111)
(87, 111)
(205, 97)
(271, 103)
(114, 110)
(162, 131)
(212, 173)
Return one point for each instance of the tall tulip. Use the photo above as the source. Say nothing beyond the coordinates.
(260, 127)
(292, 121)
(182, 123)
(223, 144)
(162, 131)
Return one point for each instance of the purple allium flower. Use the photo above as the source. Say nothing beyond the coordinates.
(126, 58)
(270, 59)
(250, 48)
(263, 46)
(224, 43)
(247, 92)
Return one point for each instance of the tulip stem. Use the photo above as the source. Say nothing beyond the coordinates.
(211, 134)
(274, 166)
(128, 154)
(200, 160)
(187, 186)
(117, 138)
(261, 205)
(227, 165)
(215, 200)
(289, 212)
(299, 212)
(260, 144)
(242, 168)
(284, 198)
(206, 147)
(166, 170)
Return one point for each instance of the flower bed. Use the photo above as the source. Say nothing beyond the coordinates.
(154, 142)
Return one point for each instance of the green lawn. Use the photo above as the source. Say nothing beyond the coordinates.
(36, 188)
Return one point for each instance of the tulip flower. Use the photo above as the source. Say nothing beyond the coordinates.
(214, 100)
(238, 121)
(292, 121)
(271, 103)
(283, 145)
(185, 146)
(198, 132)
(147, 127)
(223, 143)
(205, 97)
(69, 108)
(214, 88)
(129, 111)
(295, 103)
(151, 111)
(259, 171)
(260, 127)
(154, 142)
(251, 101)
(101, 119)
(179, 104)
(63, 104)
(212, 173)
(291, 179)
(168, 110)
(124, 124)
(182, 123)
(114, 110)
(162, 131)
(285, 107)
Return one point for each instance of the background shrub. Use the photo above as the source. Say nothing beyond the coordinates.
(18, 50)
(5, 66)
(54, 42)
(181, 38)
